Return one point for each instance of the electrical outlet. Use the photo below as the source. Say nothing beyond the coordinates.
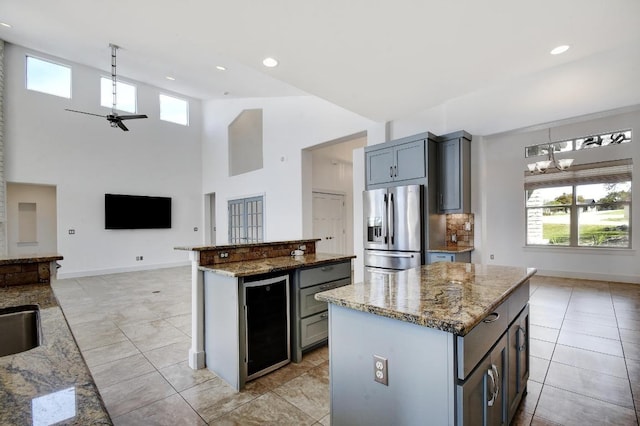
(380, 370)
(72, 231)
(141, 257)
(224, 255)
(491, 257)
(195, 229)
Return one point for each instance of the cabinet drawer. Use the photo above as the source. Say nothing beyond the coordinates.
(441, 257)
(325, 273)
(309, 305)
(314, 329)
(473, 347)
(518, 300)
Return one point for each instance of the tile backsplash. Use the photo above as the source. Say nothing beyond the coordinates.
(461, 225)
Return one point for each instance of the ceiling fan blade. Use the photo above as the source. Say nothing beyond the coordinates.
(83, 112)
(122, 126)
(131, 117)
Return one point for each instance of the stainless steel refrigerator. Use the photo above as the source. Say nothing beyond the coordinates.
(393, 227)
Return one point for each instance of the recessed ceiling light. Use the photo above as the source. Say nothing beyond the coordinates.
(221, 68)
(560, 49)
(170, 78)
(270, 62)
(4, 24)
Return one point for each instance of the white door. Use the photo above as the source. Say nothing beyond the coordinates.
(210, 219)
(329, 222)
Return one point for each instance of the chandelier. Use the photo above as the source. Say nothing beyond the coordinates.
(551, 162)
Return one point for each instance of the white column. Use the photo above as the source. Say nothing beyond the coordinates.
(196, 353)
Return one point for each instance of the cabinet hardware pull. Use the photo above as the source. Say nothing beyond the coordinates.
(522, 346)
(494, 315)
(490, 373)
(325, 315)
(391, 171)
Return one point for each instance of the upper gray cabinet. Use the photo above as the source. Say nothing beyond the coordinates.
(454, 173)
(401, 160)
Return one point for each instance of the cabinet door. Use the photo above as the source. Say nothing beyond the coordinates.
(518, 360)
(380, 166)
(481, 399)
(410, 161)
(449, 176)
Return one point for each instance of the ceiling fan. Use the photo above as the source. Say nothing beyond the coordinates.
(114, 119)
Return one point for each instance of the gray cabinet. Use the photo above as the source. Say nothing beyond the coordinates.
(403, 160)
(454, 177)
(489, 392)
(310, 319)
(481, 397)
(518, 341)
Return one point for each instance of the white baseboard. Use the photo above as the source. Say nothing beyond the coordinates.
(631, 279)
(78, 274)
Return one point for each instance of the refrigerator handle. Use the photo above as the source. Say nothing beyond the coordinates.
(386, 207)
(392, 217)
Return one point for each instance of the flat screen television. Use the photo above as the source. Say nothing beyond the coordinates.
(136, 212)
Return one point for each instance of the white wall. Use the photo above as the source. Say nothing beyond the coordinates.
(501, 202)
(290, 124)
(85, 158)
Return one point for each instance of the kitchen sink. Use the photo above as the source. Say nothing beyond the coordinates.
(19, 329)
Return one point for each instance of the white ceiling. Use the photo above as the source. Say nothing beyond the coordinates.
(381, 59)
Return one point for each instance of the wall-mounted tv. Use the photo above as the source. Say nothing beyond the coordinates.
(136, 212)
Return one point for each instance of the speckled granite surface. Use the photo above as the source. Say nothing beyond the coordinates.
(50, 383)
(450, 249)
(274, 264)
(452, 297)
(36, 258)
(232, 246)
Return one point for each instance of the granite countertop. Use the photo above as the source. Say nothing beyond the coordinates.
(273, 264)
(453, 297)
(244, 245)
(450, 249)
(50, 383)
(30, 258)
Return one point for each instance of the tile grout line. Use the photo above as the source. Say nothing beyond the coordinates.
(635, 409)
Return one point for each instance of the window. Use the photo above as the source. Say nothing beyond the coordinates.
(595, 141)
(246, 220)
(590, 206)
(126, 95)
(174, 110)
(47, 77)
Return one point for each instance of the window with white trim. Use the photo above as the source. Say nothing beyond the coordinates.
(588, 206)
(48, 77)
(174, 110)
(126, 99)
(246, 220)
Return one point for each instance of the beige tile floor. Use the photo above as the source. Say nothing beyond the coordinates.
(134, 331)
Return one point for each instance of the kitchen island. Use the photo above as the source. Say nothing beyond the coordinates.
(223, 277)
(441, 344)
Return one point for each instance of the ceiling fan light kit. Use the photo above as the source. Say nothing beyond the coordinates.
(114, 119)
